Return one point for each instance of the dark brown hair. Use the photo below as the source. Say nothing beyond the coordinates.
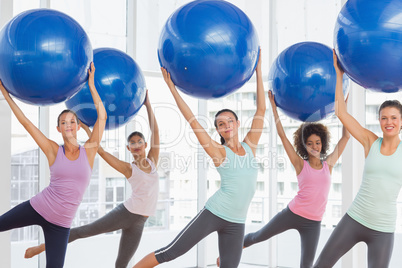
(304, 132)
(391, 103)
(135, 133)
(64, 112)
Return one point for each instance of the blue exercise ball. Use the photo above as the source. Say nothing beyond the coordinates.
(303, 81)
(367, 40)
(45, 56)
(120, 84)
(209, 47)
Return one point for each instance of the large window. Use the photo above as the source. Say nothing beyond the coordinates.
(24, 174)
(108, 24)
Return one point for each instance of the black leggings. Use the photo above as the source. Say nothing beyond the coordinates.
(348, 233)
(309, 231)
(56, 237)
(230, 237)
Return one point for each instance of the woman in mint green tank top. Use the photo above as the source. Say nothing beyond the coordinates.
(372, 215)
(226, 210)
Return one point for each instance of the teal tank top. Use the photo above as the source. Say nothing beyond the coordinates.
(375, 203)
(238, 184)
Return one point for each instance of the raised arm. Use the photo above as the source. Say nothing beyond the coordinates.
(361, 134)
(295, 159)
(338, 150)
(211, 147)
(253, 136)
(121, 166)
(48, 146)
(153, 153)
(95, 138)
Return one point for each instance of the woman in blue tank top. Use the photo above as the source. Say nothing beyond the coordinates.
(372, 215)
(226, 210)
(70, 166)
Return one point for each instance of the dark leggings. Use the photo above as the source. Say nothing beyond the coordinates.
(230, 237)
(131, 225)
(309, 231)
(56, 237)
(348, 233)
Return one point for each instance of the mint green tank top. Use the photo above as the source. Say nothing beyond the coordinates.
(238, 184)
(375, 203)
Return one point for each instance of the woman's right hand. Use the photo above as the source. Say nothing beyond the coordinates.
(272, 100)
(167, 78)
(338, 69)
(146, 101)
(91, 75)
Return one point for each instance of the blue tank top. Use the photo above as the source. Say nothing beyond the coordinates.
(238, 185)
(375, 204)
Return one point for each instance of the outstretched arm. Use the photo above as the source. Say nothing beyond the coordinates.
(48, 146)
(153, 153)
(361, 134)
(121, 166)
(295, 159)
(95, 138)
(338, 150)
(253, 136)
(211, 147)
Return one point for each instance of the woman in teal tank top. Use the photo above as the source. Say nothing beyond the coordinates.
(226, 210)
(372, 215)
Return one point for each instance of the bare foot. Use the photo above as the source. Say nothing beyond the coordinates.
(33, 251)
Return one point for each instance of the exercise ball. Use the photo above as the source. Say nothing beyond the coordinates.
(367, 40)
(210, 48)
(303, 81)
(120, 85)
(44, 55)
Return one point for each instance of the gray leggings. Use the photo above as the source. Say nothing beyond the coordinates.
(131, 225)
(309, 231)
(230, 239)
(348, 233)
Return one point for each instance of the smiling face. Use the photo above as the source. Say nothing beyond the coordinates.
(136, 145)
(390, 121)
(314, 146)
(227, 125)
(68, 125)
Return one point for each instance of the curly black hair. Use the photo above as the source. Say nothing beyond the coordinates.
(304, 132)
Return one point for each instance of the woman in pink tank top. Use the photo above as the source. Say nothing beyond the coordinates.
(70, 168)
(130, 216)
(313, 169)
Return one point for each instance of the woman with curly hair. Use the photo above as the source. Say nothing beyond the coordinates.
(313, 167)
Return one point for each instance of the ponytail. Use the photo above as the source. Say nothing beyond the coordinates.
(222, 140)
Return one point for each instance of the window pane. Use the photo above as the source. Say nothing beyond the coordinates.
(24, 177)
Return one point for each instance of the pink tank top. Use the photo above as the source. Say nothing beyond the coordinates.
(59, 201)
(145, 190)
(312, 197)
